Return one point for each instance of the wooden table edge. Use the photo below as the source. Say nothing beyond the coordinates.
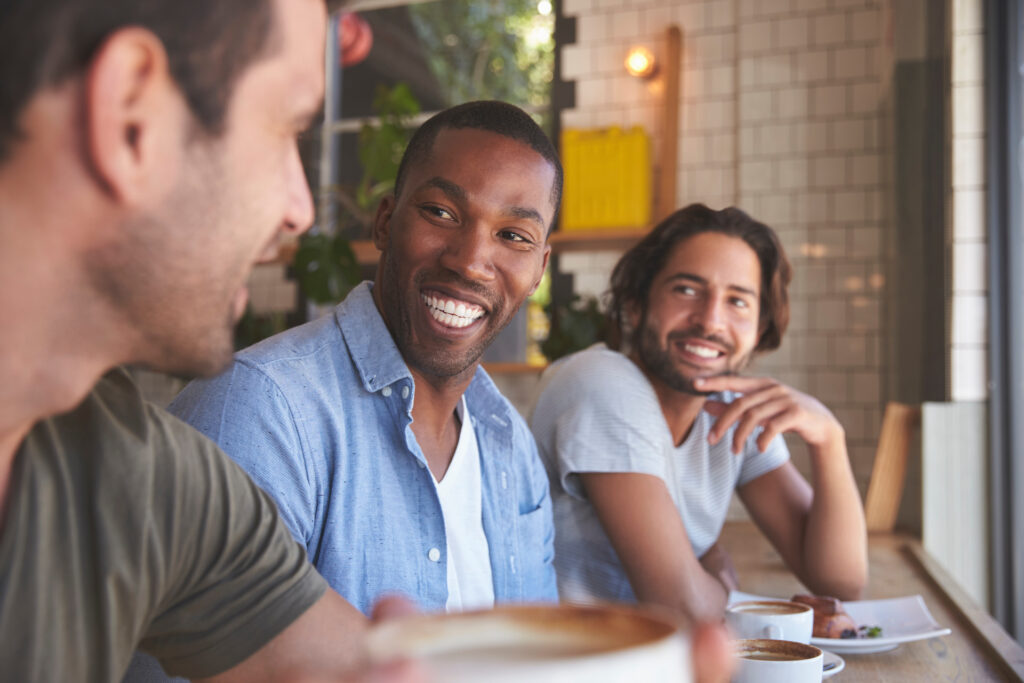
(1000, 645)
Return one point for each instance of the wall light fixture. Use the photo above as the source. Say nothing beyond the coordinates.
(640, 62)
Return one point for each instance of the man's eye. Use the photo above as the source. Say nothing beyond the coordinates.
(513, 236)
(685, 289)
(740, 303)
(438, 212)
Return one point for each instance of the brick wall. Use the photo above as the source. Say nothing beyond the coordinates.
(783, 108)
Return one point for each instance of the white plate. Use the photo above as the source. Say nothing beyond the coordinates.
(902, 620)
(830, 658)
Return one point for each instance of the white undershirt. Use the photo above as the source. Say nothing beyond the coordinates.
(470, 584)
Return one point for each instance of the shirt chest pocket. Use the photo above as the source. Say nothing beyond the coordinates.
(532, 528)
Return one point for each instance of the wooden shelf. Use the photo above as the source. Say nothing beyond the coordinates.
(595, 240)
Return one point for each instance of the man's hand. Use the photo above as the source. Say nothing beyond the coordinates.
(772, 405)
(401, 671)
(718, 563)
(713, 660)
(393, 606)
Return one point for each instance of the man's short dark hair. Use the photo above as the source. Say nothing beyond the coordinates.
(209, 44)
(490, 115)
(636, 270)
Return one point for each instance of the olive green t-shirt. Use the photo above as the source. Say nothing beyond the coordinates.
(124, 528)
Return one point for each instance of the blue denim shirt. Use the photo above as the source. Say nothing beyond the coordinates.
(320, 416)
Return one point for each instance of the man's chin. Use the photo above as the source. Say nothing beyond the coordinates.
(204, 358)
(684, 385)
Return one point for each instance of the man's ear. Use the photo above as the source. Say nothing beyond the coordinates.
(543, 269)
(381, 222)
(134, 114)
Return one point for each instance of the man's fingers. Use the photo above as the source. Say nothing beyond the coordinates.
(738, 408)
(780, 424)
(712, 653)
(404, 671)
(715, 408)
(392, 606)
(758, 416)
(738, 383)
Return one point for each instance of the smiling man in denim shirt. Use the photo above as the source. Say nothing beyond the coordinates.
(391, 454)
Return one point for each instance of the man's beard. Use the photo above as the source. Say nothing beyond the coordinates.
(436, 362)
(658, 360)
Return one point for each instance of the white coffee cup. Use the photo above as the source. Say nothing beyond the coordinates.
(777, 661)
(773, 619)
(539, 644)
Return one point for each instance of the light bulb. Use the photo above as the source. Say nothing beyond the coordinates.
(640, 62)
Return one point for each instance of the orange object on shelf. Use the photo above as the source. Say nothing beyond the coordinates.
(607, 178)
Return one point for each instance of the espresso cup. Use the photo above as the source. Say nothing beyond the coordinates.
(538, 644)
(777, 661)
(773, 619)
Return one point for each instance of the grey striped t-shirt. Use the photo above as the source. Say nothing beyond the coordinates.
(597, 412)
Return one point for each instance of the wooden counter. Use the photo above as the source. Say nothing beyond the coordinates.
(978, 649)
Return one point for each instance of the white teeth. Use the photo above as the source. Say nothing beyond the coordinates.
(452, 314)
(702, 351)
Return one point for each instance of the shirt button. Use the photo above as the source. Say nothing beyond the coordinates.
(434, 555)
(420, 463)
(386, 391)
(405, 392)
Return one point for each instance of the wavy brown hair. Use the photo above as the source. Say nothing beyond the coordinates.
(636, 270)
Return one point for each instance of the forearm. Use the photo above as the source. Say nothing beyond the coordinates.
(325, 643)
(650, 539)
(696, 595)
(834, 548)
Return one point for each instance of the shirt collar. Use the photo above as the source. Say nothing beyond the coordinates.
(370, 344)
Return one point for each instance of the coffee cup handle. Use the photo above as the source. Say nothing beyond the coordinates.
(772, 632)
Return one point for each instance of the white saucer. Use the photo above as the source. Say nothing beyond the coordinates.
(830, 658)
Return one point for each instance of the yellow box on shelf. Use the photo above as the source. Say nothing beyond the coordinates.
(607, 178)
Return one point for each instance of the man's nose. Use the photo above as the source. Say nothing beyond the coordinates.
(710, 314)
(470, 253)
(300, 211)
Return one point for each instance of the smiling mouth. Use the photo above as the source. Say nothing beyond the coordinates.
(701, 351)
(452, 312)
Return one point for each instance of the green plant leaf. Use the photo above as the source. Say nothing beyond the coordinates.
(325, 267)
(574, 327)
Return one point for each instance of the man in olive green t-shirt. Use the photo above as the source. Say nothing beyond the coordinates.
(130, 556)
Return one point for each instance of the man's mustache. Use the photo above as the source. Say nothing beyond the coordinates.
(698, 333)
(456, 281)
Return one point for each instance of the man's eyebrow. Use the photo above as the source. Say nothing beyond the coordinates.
(703, 281)
(448, 187)
(527, 214)
(457, 192)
